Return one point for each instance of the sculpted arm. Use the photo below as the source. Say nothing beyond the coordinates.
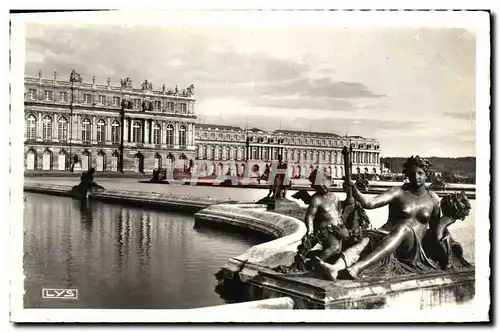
(377, 201)
(311, 213)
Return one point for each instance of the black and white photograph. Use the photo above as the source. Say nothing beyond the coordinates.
(228, 164)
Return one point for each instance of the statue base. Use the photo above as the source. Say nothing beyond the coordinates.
(285, 206)
(422, 291)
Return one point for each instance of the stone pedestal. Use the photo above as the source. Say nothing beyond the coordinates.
(423, 291)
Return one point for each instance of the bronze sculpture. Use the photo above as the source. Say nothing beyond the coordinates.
(414, 223)
(86, 185)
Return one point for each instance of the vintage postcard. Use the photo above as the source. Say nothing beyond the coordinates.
(217, 166)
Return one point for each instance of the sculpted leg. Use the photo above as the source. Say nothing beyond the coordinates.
(348, 257)
(334, 247)
(387, 247)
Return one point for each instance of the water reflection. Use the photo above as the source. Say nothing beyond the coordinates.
(121, 257)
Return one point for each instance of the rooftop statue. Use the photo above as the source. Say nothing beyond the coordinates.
(126, 82)
(190, 91)
(75, 77)
(147, 85)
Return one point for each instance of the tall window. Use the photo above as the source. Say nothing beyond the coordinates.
(136, 132)
(102, 100)
(49, 95)
(170, 135)
(101, 131)
(62, 129)
(32, 93)
(87, 98)
(31, 127)
(115, 132)
(182, 135)
(47, 127)
(86, 130)
(170, 106)
(156, 133)
(183, 108)
(137, 103)
(63, 97)
(116, 101)
(157, 105)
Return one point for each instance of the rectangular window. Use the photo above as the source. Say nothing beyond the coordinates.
(102, 100)
(87, 98)
(63, 97)
(157, 105)
(170, 106)
(116, 101)
(49, 95)
(183, 108)
(137, 103)
(32, 94)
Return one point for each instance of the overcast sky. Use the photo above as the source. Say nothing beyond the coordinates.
(412, 89)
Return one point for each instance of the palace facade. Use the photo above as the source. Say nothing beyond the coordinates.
(302, 151)
(138, 129)
(108, 127)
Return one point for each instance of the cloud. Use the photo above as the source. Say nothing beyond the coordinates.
(461, 116)
(330, 104)
(161, 55)
(320, 87)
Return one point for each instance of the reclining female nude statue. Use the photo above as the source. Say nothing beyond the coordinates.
(414, 224)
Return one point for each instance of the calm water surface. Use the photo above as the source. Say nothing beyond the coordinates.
(121, 257)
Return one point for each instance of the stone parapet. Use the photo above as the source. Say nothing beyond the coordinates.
(286, 233)
(185, 203)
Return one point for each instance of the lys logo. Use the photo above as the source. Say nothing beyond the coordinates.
(60, 293)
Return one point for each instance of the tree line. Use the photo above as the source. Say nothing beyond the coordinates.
(452, 170)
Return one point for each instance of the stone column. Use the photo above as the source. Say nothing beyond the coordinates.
(54, 127)
(190, 140)
(163, 133)
(39, 126)
(124, 127)
(176, 134)
(79, 127)
(145, 131)
(108, 129)
(93, 138)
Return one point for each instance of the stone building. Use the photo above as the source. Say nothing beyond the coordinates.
(226, 148)
(68, 118)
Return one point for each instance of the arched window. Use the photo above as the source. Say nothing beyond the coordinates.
(101, 131)
(156, 133)
(136, 132)
(182, 135)
(219, 153)
(115, 132)
(62, 129)
(170, 135)
(86, 130)
(47, 127)
(31, 127)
